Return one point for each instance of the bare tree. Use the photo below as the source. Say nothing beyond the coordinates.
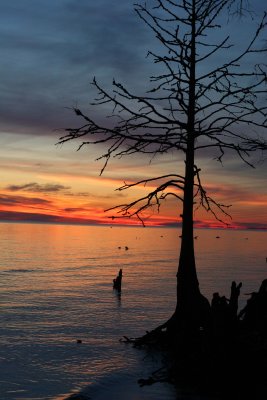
(195, 103)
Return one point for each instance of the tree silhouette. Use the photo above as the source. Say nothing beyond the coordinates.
(196, 102)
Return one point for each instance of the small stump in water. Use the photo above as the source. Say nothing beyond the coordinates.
(117, 281)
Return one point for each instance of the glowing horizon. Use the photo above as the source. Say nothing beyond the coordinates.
(63, 188)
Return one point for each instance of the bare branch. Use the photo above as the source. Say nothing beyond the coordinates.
(193, 103)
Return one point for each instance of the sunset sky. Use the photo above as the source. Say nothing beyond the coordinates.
(50, 52)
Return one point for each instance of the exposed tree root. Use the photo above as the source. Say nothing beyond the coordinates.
(155, 338)
(218, 357)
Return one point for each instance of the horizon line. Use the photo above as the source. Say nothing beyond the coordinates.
(125, 225)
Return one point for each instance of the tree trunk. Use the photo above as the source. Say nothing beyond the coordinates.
(187, 282)
(190, 302)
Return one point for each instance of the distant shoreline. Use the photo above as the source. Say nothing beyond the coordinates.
(170, 226)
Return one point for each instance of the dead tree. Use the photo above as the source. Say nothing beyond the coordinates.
(194, 103)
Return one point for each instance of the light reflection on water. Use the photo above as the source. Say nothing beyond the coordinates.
(56, 288)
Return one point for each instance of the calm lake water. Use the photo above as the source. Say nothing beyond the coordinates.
(56, 288)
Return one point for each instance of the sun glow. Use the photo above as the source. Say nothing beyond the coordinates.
(45, 183)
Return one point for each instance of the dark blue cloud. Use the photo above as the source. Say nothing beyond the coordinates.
(51, 50)
(9, 200)
(10, 216)
(36, 187)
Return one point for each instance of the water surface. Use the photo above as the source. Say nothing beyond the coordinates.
(56, 288)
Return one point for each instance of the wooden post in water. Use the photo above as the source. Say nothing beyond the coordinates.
(117, 281)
